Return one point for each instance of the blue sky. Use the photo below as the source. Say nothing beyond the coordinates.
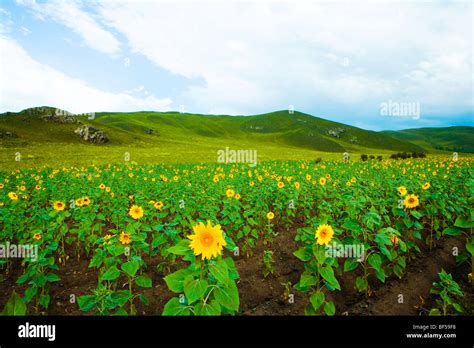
(337, 60)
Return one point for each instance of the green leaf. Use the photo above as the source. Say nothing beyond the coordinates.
(350, 265)
(131, 267)
(307, 280)
(143, 281)
(23, 278)
(182, 248)
(111, 274)
(175, 281)
(470, 246)
(121, 313)
(416, 214)
(211, 308)
(51, 277)
(302, 254)
(463, 223)
(451, 231)
(352, 225)
(174, 308)
(220, 271)
(86, 303)
(194, 289)
(317, 299)
(361, 284)
(121, 297)
(44, 300)
(228, 296)
(328, 274)
(435, 312)
(15, 306)
(144, 299)
(233, 273)
(329, 308)
(380, 274)
(375, 261)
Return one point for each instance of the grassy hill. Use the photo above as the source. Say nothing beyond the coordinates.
(279, 128)
(183, 137)
(459, 138)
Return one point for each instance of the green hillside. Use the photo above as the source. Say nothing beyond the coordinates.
(176, 137)
(459, 138)
(278, 128)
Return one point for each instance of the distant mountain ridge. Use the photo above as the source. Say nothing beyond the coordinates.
(299, 130)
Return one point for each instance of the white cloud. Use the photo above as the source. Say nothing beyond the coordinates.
(70, 14)
(255, 55)
(26, 83)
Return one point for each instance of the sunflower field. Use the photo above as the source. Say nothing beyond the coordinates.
(173, 239)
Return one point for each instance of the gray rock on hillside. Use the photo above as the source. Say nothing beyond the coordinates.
(92, 135)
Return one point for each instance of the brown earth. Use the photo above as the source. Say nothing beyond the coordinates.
(261, 295)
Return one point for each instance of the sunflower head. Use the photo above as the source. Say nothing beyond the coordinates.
(230, 193)
(79, 202)
(136, 212)
(322, 181)
(86, 200)
(297, 185)
(281, 184)
(426, 186)
(37, 236)
(13, 196)
(411, 201)
(207, 240)
(158, 205)
(402, 190)
(324, 234)
(59, 206)
(270, 215)
(125, 238)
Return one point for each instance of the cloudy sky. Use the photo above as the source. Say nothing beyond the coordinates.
(332, 59)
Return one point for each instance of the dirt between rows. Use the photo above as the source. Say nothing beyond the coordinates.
(271, 295)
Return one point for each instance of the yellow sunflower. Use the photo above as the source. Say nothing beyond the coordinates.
(13, 196)
(426, 186)
(158, 205)
(102, 186)
(86, 200)
(79, 202)
(281, 185)
(59, 206)
(270, 215)
(125, 238)
(402, 190)
(308, 177)
(324, 234)
(297, 185)
(230, 193)
(251, 184)
(136, 212)
(207, 240)
(37, 236)
(322, 181)
(237, 196)
(411, 201)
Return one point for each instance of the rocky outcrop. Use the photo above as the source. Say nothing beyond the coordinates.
(92, 135)
(59, 116)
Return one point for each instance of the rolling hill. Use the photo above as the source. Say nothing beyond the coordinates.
(297, 130)
(460, 138)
